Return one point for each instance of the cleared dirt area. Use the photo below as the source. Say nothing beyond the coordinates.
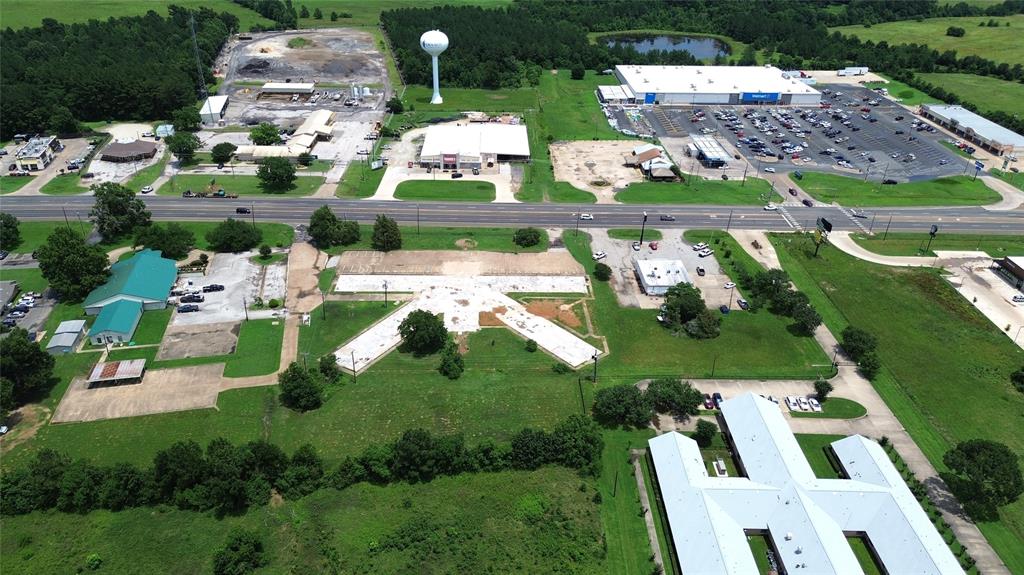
(464, 264)
(596, 167)
(304, 262)
(554, 309)
(341, 55)
(181, 341)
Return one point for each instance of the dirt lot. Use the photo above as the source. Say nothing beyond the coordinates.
(199, 340)
(554, 309)
(466, 264)
(595, 166)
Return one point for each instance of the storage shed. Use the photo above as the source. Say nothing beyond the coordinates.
(66, 337)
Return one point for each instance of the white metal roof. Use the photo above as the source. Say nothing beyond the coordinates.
(214, 105)
(75, 326)
(661, 272)
(709, 80)
(475, 139)
(288, 87)
(63, 340)
(318, 123)
(805, 516)
(711, 147)
(986, 129)
(615, 92)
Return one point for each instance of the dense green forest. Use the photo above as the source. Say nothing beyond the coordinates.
(505, 47)
(133, 68)
(282, 13)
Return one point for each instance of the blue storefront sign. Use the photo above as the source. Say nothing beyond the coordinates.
(759, 96)
(650, 97)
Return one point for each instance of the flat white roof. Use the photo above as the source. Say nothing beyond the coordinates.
(986, 129)
(289, 86)
(615, 92)
(74, 326)
(214, 105)
(806, 517)
(475, 139)
(710, 146)
(709, 80)
(661, 272)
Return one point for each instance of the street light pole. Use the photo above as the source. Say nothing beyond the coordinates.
(576, 232)
(729, 222)
(889, 223)
(595, 367)
(385, 293)
(732, 292)
(643, 227)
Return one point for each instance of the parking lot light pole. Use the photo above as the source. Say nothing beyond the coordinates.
(595, 367)
(385, 294)
(576, 232)
(732, 291)
(643, 227)
(1018, 333)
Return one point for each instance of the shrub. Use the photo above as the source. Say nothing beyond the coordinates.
(705, 433)
(526, 237)
(560, 368)
(265, 251)
(869, 365)
(821, 389)
(241, 554)
(602, 272)
(531, 346)
(1017, 379)
(274, 303)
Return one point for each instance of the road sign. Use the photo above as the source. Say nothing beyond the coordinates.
(934, 230)
(978, 165)
(824, 225)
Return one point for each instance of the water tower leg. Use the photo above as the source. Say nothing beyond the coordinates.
(436, 99)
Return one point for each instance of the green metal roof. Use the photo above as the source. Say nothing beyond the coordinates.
(118, 317)
(146, 275)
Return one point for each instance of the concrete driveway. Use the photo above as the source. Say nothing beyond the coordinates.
(73, 148)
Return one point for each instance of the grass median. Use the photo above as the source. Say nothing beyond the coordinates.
(835, 408)
(911, 244)
(445, 191)
(438, 238)
(11, 184)
(698, 191)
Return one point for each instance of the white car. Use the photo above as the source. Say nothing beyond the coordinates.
(147, 134)
(729, 285)
(147, 189)
(1018, 299)
(771, 208)
(637, 246)
(769, 170)
(700, 247)
(815, 406)
(792, 403)
(804, 404)
(586, 217)
(705, 253)
(599, 256)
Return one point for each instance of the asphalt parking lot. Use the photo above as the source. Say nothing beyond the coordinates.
(877, 140)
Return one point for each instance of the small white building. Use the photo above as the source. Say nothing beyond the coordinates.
(474, 145)
(66, 337)
(213, 110)
(656, 276)
(287, 88)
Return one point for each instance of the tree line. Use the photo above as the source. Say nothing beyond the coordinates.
(129, 68)
(227, 479)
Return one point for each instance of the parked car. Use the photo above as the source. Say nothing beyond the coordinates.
(4, 254)
(708, 402)
(147, 189)
(668, 218)
(792, 403)
(701, 271)
(769, 170)
(212, 288)
(586, 217)
(717, 399)
(724, 309)
(243, 211)
(804, 404)
(730, 285)
(807, 203)
(192, 298)
(815, 406)
(889, 182)
(188, 308)
(1018, 299)
(636, 246)
(706, 252)
(653, 246)
(599, 256)
(770, 208)
(792, 191)
(700, 247)
(16, 314)
(743, 303)
(456, 175)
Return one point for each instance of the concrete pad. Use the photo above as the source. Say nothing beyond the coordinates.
(555, 262)
(199, 340)
(417, 283)
(161, 391)
(242, 281)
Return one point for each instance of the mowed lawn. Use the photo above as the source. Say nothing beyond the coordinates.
(909, 244)
(68, 184)
(10, 184)
(437, 238)
(1001, 44)
(21, 13)
(335, 323)
(987, 93)
(445, 191)
(855, 192)
(458, 100)
(697, 191)
(359, 181)
(905, 94)
(508, 522)
(34, 234)
(940, 357)
(241, 185)
(751, 345)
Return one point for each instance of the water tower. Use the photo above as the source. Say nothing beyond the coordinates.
(434, 42)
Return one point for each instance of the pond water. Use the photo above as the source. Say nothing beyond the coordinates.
(700, 47)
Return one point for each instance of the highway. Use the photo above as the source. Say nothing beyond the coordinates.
(298, 210)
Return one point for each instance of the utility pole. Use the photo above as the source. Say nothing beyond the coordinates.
(252, 212)
(643, 227)
(729, 222)
(595, 367)
(353, 356)
(385, 293)
(199, 62)
(744, 182)
(66, 222)
(872, 226)
(576, 232)
(323, 303)
(886, 234)
(245, 308)
(417, 219)
(731, 293)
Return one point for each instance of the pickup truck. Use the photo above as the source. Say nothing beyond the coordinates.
(218, 194)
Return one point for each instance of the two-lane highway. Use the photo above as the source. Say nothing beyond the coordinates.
(298, 210)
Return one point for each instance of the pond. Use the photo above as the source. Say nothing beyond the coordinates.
(701, 47)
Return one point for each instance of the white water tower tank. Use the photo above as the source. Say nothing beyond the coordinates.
(367, 92)
(434, 42)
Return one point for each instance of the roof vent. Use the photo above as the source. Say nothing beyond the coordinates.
(789, 535)
(799, 550)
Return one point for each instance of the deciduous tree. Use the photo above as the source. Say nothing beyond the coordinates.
(857, 342)
(27, 367)
(622, 405)
(172, 240)
(10, 235)
(386, 235)
(233, 235)
(277, 174)
(422, 333)
(526, 237)
(821, 390)
(602, 272)
(186, 119)
(72, 267)
(683, 303)
(301, 389)
(673, 396)
(705, 433)
(183, 145)
(117, 211)
(985, 475)
(242, 553)
(265, 134)
(223, 152)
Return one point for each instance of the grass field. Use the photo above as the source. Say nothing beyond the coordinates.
(152, 326)
(275, 235)
(33, 235)
(1001, 44)
(359, 181)
(936, 350)
(445, 191)
(368, 13)
(835, 408)
(344, 321)
(457, 100)
(906, 94)
(987, 93)
(20, 13)
(9, 184)
(146, 176)
(29, 279)
(855, 192)
(66, 185)
(909, 244)
(633, 234)
(732, 192)
(1013, 178)
(752, 345)
(508, 522)
(241, 185)
(814, 447)
(435, 238)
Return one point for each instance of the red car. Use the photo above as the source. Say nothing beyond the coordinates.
(708, 402)
(653, 246)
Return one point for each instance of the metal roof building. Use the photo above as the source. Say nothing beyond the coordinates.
(693, 85)
(709, 151)
(317, 126)
(805, 518)
(456, 146)
(287, 88)
(981, 131)
(129, 151)
(213, 109)
(117, 371)
(656, 276)
(146, 277)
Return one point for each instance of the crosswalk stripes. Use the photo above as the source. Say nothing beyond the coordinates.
(790, 220)
(856, 221)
